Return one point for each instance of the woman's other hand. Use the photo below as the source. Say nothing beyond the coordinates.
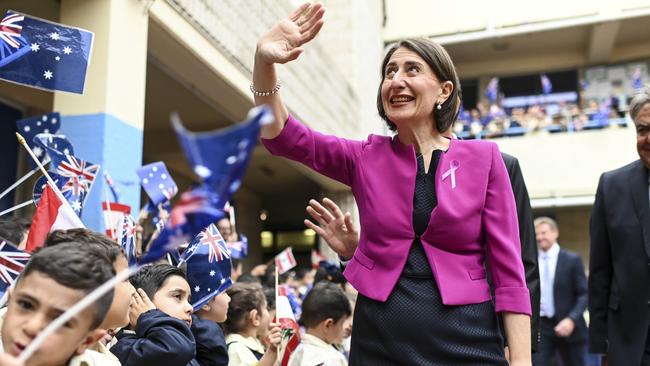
(283, 42)
(333, 226)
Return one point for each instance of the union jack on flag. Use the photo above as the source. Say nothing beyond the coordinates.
(127, 239)
(12, 262)
(212, 237)
(12, 44)
(81, 175)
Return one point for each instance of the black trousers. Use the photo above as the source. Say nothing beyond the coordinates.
(550, 346)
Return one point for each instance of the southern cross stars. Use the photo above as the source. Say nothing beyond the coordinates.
(54, 36)
(67, 50)
(48, 74)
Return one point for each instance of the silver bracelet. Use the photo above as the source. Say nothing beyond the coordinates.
(265, 93)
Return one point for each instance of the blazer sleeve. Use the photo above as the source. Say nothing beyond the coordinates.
(329, 155)
(501, 231)
(528, 242)
(159, 340)
(600, 272)
(579, 288)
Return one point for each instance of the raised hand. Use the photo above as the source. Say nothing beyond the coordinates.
(333, 226)
(282, 43)
(140, 305)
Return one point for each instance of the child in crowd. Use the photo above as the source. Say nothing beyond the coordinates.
(160, 316)
(15, 230)
(247, 312)
(208, 276)
(118, 314)
(325, 314)
(53, 280)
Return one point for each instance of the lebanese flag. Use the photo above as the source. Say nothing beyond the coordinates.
(114, 214)
(316, 258)
(285, 261)
(290, 331)
(52, 213)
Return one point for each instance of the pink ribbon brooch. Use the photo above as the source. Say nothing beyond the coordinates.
(453, 166)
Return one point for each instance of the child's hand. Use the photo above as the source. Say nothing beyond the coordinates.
(274, 335)
(141, 304)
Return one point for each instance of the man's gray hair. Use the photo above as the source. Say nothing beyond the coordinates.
(641, 98)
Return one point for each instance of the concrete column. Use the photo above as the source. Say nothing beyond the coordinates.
(105, 124)
(345, 200)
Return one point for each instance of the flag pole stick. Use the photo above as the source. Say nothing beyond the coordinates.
(19, 182)
(277, 291)
(20, 205)
(74, 310)
(109, 220)
(56, 190)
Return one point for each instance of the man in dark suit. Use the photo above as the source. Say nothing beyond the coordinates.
(563, 287)
(619, 266)
(339, 228)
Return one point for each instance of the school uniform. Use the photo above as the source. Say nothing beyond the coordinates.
(243, 351)
(211, 349)
(158, 339)
(314, 351)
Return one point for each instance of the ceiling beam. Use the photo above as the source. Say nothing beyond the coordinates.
(602, 41)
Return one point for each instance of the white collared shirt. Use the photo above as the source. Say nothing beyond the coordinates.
(547, 261)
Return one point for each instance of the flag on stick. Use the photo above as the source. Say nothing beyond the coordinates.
(290, 330)
(58, 55)
(285, 261)
(51, 214)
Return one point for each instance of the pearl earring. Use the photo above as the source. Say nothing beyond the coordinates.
(439, 106)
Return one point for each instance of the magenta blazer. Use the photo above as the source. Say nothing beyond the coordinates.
(475, 216)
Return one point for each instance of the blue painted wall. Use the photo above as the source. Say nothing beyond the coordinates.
(115, 145)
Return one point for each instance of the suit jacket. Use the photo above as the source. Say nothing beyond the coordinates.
(475, 215)
(528, 241)
(619, 266)
(570, 293)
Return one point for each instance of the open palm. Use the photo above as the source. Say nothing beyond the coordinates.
(282, 43)
(333, 226)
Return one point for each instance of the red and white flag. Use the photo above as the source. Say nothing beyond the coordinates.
(290, 330)
(52, 213)
(316, 258)
(114, 217)
(285, 261)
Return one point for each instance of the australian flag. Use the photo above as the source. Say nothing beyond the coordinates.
(220, 157)
(74, 197)
(54, 145)
(157, 182)
(12, 262)
(194, 211)
(32, 126)
(57, 57)
(126, 238)
(12, 44)
(80, 174)
(547, 86)
(208, 266)
(238, 249)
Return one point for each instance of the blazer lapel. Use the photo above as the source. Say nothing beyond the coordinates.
(641, 201)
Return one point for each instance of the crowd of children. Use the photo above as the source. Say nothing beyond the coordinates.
(194, 313)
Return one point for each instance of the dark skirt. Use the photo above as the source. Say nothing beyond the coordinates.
(414, 327)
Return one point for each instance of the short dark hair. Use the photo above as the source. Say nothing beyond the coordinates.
(14, 229)
(152, 277)
(325, 300)
(76, 269)
(89, 240)
(244, 297)
(443, 67)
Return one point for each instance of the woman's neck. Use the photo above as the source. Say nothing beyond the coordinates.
(423, 136)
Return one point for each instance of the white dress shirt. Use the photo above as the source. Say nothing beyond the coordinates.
(547, 265)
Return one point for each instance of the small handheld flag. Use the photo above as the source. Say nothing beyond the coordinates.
(57, 57)
(32, 126)
(290, 330)
(12, 44)
(208, 266)
(12, 262)
(157, 182)
(285, 261)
